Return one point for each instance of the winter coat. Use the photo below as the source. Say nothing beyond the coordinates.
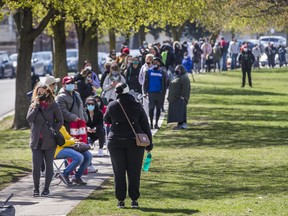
(39, 129)
(132, 77)
(65, 101)
(187, 63)
(120, 128)
(109, 91)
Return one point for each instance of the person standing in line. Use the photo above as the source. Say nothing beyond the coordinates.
(256, 51)
(51, 82)
(178, 97)
(224, 50)
(132, 75)
(42, 143)
(155, 86)
(246, 59)
(94, 78)
(126, 156)
(234, 52)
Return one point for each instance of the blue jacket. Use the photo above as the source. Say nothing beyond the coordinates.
(187, 64)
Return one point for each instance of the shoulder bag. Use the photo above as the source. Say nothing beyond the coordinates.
(141, 138)
(59, 138)
(80, 147)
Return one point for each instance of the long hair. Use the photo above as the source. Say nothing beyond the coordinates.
(50, 95)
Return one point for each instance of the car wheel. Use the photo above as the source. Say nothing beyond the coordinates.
(13, 75)
(2, 73)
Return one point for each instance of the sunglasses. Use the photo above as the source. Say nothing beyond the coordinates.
(90, 104)
(53, 84)
(148, 63)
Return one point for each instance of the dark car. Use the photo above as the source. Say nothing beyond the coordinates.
(6, 65)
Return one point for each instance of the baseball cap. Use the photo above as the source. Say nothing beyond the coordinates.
(51, 80)
(67, 80)
(126, 50)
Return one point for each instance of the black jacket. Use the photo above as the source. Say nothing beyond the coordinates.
(97, 121)
(120, 128)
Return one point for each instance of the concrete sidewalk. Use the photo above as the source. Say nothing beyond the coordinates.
(63, 199)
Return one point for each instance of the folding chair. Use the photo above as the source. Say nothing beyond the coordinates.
(59, 165)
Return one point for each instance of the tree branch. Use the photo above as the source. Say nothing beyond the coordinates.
(44, 22)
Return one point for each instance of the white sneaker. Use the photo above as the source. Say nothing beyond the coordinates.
(91, 169)
(100, 153)
(42, 174)
(184, 126)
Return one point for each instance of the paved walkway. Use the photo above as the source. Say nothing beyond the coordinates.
(63, 199)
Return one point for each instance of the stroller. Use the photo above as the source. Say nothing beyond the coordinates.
(209, 62)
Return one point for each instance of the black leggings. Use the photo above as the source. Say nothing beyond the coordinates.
(38, 156)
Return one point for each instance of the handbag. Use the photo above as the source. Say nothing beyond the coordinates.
(58, 137)
(80, 147)
(141, 138)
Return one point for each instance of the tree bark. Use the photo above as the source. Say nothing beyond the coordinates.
(24, 22)
(142, 34)
(176, 32)
(112, 39)
(59, 49)
(88, 46)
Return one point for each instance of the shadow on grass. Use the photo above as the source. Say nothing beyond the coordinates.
(170, 210)
(233, 91)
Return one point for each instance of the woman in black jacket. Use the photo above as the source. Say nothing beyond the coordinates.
(126, 156)
(95, 126)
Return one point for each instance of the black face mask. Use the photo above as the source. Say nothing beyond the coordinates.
(42, 97)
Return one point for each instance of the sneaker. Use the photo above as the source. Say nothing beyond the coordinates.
(91, 169)
(36, 193)
(78, 181)
(45, 192)
(65, 179)
(121, 204)
(184, 126)
(178, 127)
(134, 204)
(156, 126)
(100, 153)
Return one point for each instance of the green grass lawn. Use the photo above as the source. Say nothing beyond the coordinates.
(231, 161)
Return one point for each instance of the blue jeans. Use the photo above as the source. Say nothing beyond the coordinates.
(83, 159)
(234, 60)
(224, 61)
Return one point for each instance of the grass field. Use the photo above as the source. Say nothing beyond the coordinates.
(231, 161)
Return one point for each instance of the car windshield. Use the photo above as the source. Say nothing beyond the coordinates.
(46, 56)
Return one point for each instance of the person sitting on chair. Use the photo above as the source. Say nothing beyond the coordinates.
(83, 159)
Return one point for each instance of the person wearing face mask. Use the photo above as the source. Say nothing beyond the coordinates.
(246, 60)
(95, 80)
(127, 63)
(110, 83)
(132, 75)
(70, 102)
(178, 97)
(155, 87)
(51, 82)
(43, 108)
(84, 84)
(95, 126)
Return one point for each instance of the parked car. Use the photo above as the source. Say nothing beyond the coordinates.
(6, 65)
(48, 61)
(251, 42)
(37, 63)
(72, 60)
(277, 40)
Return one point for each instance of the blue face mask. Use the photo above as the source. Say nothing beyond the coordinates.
(90, 107)
(69, 87)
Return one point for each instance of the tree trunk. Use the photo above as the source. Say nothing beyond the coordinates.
(24, 21)
(112, 39)
(142, 34)
(59, 50)
(88, 46)
(214, 35)
(176, 32)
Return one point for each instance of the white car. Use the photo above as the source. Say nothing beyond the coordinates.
(277, 40)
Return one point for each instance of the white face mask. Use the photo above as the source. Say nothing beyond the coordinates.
(88, 67)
